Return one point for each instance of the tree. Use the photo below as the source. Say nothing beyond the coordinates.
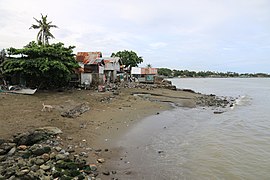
(164, 71)
(2, 55)
(2, 59)
(44, 27)
(47, 66)
(128, 58)
(149, 66)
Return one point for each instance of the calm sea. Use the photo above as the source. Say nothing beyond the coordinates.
(198, 144)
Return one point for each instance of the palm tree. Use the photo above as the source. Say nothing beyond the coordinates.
(44, 33)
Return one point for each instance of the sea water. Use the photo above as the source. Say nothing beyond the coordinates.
(195, 143)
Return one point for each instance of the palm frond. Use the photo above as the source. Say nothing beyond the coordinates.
(44, 33)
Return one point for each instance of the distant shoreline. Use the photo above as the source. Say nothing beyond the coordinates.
(202, 74)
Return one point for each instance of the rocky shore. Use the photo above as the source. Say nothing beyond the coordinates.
(88, 119)
(40, 154)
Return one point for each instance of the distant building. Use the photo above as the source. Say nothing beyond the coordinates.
(112, 66)
(145, 75)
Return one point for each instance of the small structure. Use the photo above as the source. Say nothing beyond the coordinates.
(95, 69)
(112, 66)
(144, 75)
(92, 68)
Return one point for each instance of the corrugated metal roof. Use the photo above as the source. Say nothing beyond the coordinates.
(88, 57)
(111, 59)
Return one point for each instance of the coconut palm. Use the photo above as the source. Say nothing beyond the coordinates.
(44, 33)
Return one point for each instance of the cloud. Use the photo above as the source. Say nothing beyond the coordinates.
(158, 45)
(197, 33)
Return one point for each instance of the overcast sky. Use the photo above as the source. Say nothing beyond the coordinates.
(216, 35)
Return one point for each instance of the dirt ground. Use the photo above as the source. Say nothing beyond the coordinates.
(109, 115)
(20, 113)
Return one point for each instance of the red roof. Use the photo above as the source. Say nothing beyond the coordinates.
(88, 57)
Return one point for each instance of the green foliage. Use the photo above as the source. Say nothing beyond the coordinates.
(2, 55)
(164, 71)
(44, 27)
(187, 73)
(128, 58)
(47, 65)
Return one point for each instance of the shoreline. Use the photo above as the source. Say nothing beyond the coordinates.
(110, 116)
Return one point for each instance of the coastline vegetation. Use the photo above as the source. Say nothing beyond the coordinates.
(203, 74)
(39, 64)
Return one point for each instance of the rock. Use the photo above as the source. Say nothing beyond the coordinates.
(22, 147)
(22, 172)
(218, 112)
(62, 151)
(93, 167)
(6, 147)
(10, 171)
(50, 130)
(101, 160)
(46, 177)
(45, 167)
(52, 155)
(2, 151)
(2, 158)
(45, 157)
(116, 93)
(69, 138)
(58, 149)
(60, 157)
(2, 177)
(40, 173)
(38, 150)
(70, 150)
(31, 138)
(34, 168)
(12, 151)
(128, 172)
(56, 174)
(106, 173)
(36, 161)
(2, 141)
(39, 161)
(76, 111)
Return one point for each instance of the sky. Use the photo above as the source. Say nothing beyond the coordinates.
(199, 35)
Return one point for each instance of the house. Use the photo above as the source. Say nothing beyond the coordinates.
(92, 68)
(112, 66)
(144, 75)
(96, 69)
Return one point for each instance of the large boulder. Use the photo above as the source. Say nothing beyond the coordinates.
(34, 136)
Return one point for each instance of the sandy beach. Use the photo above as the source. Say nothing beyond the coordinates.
(110, 115)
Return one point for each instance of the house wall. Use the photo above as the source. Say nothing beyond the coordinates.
(91, 68)
(86, 78)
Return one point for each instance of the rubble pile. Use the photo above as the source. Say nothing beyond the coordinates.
(215, 101)
(38, 154)
(164, 85)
